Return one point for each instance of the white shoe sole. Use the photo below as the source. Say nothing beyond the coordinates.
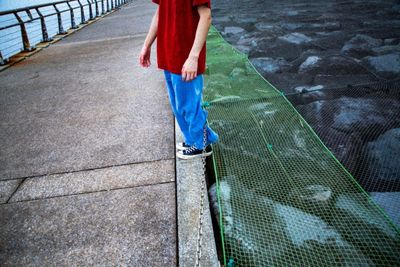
(182, 156)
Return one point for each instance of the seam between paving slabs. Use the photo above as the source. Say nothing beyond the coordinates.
(88, 192)
(87, 169)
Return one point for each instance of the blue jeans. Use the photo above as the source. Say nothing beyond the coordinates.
(186, 99)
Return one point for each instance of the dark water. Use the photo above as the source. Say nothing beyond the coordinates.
(13, 4)
(339, 64)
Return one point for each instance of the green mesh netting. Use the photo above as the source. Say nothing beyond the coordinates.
(284, 199)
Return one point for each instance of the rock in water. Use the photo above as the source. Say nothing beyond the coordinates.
(360, 45)
(233, 30)
(384, 155)
(312, 193)
(386, 49)
(386, 65)
(396, 8)
(303, 227)
(391, 41)
(349, 112)
(262, 26)
(308, 88)
(237, 72)
(354, 204)
(309, 62)
(296, 38)
(292, 12)
(390, 203)
(269, 65)
(291, 26)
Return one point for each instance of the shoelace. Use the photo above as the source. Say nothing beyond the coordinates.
(190, 149)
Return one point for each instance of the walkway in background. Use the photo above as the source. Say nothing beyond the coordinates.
(87, 173)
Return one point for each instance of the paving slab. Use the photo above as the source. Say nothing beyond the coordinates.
(80, 182)
(7, 188)
(189, 174)
(80, 106)
(126, 227)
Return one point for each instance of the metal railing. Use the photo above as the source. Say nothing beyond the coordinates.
(19, 26)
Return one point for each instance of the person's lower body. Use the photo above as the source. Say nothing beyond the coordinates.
(186, 99)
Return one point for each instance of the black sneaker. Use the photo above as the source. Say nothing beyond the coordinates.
(193, 152)
(182, 146)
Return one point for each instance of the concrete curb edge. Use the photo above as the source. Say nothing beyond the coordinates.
(188, 179)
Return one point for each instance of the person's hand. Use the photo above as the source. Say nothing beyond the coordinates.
(189, 69)
(144, 59)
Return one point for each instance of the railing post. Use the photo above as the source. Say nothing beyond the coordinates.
(60, 26)
(112, 4)
(45, 35)
(103, 11)
(83, 20)
(71, 11)
(28, 12)
(90, 10)
(2, 60)
(108, 5)
(24, 34)
(97, 8)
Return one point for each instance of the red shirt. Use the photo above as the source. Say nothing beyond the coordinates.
(177, 24)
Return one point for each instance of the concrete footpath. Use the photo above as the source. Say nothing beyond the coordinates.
(87, 158)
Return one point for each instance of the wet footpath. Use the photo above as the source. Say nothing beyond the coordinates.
(87, 164)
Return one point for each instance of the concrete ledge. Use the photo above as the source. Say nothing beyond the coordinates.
(188, 179)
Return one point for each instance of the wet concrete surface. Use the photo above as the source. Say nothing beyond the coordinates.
(82, 183)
